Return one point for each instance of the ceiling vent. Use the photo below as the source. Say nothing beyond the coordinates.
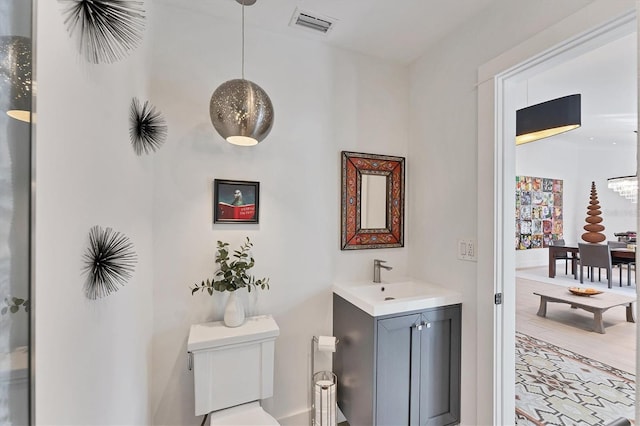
(312, 21)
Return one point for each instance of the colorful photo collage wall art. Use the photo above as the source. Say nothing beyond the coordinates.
(538, 211)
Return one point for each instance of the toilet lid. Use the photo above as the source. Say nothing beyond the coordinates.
(250, 414)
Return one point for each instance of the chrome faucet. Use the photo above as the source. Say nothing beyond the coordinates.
(377, 264)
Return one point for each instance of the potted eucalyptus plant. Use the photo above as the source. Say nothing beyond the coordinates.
(232, 275)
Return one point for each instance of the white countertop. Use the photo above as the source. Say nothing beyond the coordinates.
(395, 297)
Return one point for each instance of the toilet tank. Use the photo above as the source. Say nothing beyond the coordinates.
(232, 365)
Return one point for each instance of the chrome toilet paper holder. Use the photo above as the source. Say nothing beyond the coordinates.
(323, 389)
(314, 346)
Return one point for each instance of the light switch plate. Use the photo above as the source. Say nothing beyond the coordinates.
(466, 248)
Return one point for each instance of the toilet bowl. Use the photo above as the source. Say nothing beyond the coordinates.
(233, 370)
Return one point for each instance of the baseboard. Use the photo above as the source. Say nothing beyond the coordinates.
(531, 265)
(301, 418)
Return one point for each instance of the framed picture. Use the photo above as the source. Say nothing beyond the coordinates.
(235, 201)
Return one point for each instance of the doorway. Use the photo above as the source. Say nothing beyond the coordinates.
(496, 168)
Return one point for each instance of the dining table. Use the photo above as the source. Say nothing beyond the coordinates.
(556, 250)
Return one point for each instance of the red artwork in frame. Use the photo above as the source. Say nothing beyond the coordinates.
(235, 201)
(355, 166)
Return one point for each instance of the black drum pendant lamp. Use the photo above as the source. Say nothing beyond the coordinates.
(15, 75)
(240, 110)
(548, 119)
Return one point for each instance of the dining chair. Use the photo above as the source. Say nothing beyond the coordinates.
(595, 256)
(619, 263)
(564, 256)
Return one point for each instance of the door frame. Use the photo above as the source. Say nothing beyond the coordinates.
(598, 23)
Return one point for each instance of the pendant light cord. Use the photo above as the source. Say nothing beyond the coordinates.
(243, 40)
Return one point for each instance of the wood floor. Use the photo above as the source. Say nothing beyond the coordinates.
(572, 328)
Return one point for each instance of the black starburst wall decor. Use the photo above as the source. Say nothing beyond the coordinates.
(109, 262)
(105, 30)
(148, 129)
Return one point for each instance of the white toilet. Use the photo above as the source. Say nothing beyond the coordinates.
(233, 370)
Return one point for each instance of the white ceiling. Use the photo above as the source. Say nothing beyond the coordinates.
(606, 77)
(362, 25)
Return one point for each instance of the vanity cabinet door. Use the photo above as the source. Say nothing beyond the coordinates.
(398, 370)
(440, 350)
(398, 355)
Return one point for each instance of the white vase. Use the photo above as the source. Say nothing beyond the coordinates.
(234, 311)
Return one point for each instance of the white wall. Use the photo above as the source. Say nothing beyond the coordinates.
(326, 100)
(92, 357)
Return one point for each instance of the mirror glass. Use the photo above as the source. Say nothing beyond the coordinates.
(372, 201)
(16, 211)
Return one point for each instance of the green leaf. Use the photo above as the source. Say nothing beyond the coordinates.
(14, 309)
(4, 310)
(232, 274)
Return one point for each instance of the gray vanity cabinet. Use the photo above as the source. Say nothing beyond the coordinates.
(400, 369)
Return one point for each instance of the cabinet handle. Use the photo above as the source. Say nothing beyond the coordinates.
(422, 324)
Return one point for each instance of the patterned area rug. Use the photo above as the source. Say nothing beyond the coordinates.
(555, 386)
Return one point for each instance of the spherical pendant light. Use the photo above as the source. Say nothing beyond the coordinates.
(241, 112)
(15, 72)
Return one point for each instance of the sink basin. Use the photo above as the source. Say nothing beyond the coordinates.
(395, 297)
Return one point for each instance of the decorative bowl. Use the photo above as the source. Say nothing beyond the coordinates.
(584, 291)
